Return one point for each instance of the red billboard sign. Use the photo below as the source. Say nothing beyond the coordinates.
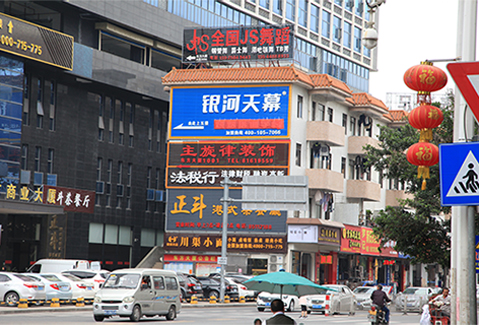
(369, 242)
(72, 199)
(351, 239)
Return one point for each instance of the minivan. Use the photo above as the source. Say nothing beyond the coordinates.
(59, 265)
(137, 292)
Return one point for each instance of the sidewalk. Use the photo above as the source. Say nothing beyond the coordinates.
(71, 308)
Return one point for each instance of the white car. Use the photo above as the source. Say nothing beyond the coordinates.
(414, 298)
(337, 300)
(263, 301)
(242, 290)
(80, 288)
(14, 287)
(95, 277)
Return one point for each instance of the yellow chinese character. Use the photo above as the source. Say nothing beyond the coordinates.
(52, 194)
(194, 258)
(260, 212)
(39, 195)
(1, 23)
(180, 205)
(24, 193)
(196, 241)
(275, 213)
(10, 191)
(246, 212)
(219, 242)
(232, 210)
(172, 239)
(175, 257)
(207, 242)
(184, 241)
(198, 206)
(218, 209)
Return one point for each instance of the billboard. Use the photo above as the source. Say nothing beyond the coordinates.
(229, 112)
(72, 199)
(201, 210)
(238, 43)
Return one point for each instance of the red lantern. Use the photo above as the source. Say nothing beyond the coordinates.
(425, 118)
(423, 155)
(425, 78)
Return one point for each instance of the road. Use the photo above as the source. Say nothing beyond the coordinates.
(204, 316)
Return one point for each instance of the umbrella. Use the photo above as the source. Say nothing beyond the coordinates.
(284, 282)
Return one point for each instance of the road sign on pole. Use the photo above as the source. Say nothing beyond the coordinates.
(466, 76)
(459, 173)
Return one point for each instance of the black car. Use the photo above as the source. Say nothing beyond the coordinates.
(189, 286)
(211, 287)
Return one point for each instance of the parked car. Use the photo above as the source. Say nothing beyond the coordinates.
(14, 287)
(80, 287)
(54, 286)
(337, 297)
(59, 265)
(414, 298)
(242, 290)
(189, 286)
(95, 277)
(363, 297)
(263, 301)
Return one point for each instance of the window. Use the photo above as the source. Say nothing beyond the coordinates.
(359, 7)
(314, 19)
(290, 9)
(303, 13)
(108, 182)
(343, 166)
(121, 113)
(321, 113)
(128, 186)
(122, 47)
(39, 103)
(101, 123)
(352, 125)
(110, 107)
(148, 178)
(51, 153)
(38, 154)
(345, 123)
(278, 7)
(299, 113)
(158, 132)
(159, 283)
(150, 129)
(330, 114)
(336, 29)
(120, 172)
(357, 39)
(131, 134)
(164, 61)
(99, 183)
(338, 2)
(349, 5)
(298, 154)
(51, 125)
(26, 102)
(326, 24)
(347, 35)
(23, 162)
(171, 283)
(264, 3)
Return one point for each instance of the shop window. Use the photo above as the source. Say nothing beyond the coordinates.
(124, 235)
(122, 47)
(95, 234)
(257, 266)
(164, 61)
(296, 262)
(111, 234)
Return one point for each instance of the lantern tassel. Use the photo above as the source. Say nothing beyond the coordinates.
(425, 135)
(423, 187)
(423, 171)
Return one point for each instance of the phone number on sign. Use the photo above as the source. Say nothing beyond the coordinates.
(21, 45)
(262, 132)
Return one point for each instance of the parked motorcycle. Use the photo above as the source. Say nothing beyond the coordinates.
(376, 315)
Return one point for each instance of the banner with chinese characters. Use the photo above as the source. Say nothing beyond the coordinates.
(369, 242)
(202, 211)
(190, 258)
(238, 43)
(72, 199)
(236, 243)
(351, 239)
(57, 233)
(329, 235)
(229, 112)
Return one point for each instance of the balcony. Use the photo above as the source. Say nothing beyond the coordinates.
(365, 190)
(357, 143)
(392, 197)
(325, 180)
(325, 132)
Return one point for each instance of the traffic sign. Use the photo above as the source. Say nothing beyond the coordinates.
(459, 173)
(466, 76)
(222, 260)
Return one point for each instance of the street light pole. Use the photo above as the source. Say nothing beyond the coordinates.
(224, 238)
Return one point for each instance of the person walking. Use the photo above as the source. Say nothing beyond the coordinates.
(379, 298)
(279, 318)
(304, 307)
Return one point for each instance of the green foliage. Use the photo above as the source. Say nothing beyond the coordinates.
(412, 225)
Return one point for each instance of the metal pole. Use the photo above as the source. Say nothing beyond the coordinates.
(224, 238)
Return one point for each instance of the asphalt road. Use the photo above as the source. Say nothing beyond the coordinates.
(204, 316)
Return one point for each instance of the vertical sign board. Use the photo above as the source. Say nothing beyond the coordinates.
(477, 254)
(459, 173)
(229, 112)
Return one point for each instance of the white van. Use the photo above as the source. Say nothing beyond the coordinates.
(137, 292)
(57, 266)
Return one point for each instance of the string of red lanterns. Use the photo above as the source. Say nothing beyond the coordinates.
(424, 78)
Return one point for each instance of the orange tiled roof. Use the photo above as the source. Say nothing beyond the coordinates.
(259, 74)
(396, 115)
(364, 99)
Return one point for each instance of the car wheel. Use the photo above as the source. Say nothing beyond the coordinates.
(11, 299)
(98, 318)
(214, 294)
(135, 314)
(291, 306)
(260, 309)
(171, 313)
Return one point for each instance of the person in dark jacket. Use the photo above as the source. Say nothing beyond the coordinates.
(380, 298)
(277, 307)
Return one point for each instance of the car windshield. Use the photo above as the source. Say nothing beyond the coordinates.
(412, 291)
(362, 290)
(72, 277)
(25, 277)
(122, 281)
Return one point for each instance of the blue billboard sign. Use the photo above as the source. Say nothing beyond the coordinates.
(229, 112)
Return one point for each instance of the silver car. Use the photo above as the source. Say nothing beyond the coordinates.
(363, 296)
(55, 288)
(413, 298)
(14, 287)
(337, 299)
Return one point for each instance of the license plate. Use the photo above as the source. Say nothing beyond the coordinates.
(410, 305)
(198, 288)
(267, 304)
(64, 288)
(89, 288)
(110, 312)
(317, 306)
(372, 318)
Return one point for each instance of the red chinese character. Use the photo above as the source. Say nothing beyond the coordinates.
(198, 224)
(192, 225)
(188, 151)
(218, 39)
(267, 36)
(267, 150)
(282, 36)
(218, 225)
(177, 225)
(227, 150)
(243, 226)
(247, 150)
(207, 151)
(232, 38)
(238, 226)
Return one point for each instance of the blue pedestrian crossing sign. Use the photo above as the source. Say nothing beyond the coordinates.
(459, 173)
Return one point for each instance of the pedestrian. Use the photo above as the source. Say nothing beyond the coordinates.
(303, 301)
(277, 307)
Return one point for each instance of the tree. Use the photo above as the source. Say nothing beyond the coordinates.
(413, 225)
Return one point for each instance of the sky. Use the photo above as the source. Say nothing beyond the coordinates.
(411, 31)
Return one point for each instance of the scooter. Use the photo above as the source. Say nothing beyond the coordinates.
(376, 315)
